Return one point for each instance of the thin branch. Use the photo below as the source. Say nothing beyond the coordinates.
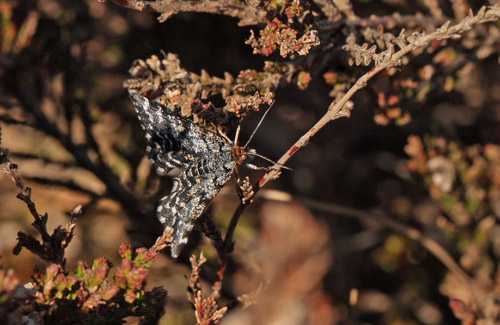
(44, 160)
(346, 8)
(163, 241)
(342, 108)
(248, 15)
(7, 119)
(53, 246)
(70, 185)
(24, 194)
(433, 6)
(329, 9)
(114, 188)
(226, 247)
(84, 113)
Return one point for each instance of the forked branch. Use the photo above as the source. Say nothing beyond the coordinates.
(248, 15)
(343, 106)
(53, 246)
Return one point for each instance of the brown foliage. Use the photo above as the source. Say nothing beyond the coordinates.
(426, 224)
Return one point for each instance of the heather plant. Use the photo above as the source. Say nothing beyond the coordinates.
(386, 111)
(87, 295)
(91, 296)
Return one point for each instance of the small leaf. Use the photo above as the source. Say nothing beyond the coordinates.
(125, 251)
(145, 258)
(109, 292)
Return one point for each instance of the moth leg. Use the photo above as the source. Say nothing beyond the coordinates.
(254, 167)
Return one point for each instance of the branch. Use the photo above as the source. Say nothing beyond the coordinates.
(385, 60)
(43, 160)
(389, 21)
(248, 15)
(226, 246)
(342, 108)
(80, 152)
(69, 184)
(53, 246)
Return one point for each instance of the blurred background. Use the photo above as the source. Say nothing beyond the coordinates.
(63, 63)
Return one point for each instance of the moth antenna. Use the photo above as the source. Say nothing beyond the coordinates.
(236, 137)
(267, 159)
(258, 125)
(219, 132)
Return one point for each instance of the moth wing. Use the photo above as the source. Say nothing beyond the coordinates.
(169, 144)
(195, 187)
(204, 157)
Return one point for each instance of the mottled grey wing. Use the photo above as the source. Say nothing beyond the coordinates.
(166, 134)
(195, 187)
(205, 160)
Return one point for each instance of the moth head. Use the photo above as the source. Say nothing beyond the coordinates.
(242, 154)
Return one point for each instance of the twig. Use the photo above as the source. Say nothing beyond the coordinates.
(208, 227)
(163, 241)
(374, 21)
(219, 276)
(228, 244)
(70, 185)
(7, 119)
(346, 8)
(87, 122)
(226, 247)
(194, 278)
(24, 194)
(342, 108)
(44, 160)
(248, 15)
(329, 9)
(433, 6)
(417, 40)
(53, 246)
(114, 188)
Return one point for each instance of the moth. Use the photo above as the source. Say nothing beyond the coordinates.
(206, 160)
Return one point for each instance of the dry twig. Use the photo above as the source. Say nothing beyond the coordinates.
(248, 15)
(387, 59)
(53, 246)
(206, 309)
(342, 108)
